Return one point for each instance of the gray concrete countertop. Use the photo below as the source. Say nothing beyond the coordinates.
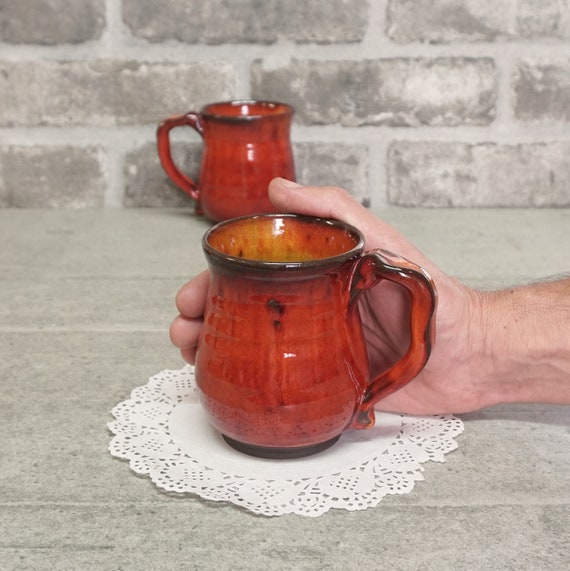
(87, 297)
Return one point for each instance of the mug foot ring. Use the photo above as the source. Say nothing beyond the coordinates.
(279, 453)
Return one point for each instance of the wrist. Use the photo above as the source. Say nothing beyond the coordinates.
(520, 348)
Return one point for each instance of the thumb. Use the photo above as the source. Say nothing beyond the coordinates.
(333, 202)
(325, 202)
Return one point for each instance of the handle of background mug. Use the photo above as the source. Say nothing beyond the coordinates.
(368, 271)
(191, 119)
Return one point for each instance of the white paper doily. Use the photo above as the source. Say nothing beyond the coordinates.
(163, 431)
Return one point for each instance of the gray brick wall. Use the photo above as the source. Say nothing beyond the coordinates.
(461, 174)
(454, 103)
(52, 177)
(247, 21)
(51, 22)
(384, 92)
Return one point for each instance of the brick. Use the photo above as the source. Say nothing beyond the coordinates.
(322, 164)
(247, 21)
(445, 21)
(50, 22)
(441, 21)
(442, 174)
(541, 91)
(146, 183)
(543, 18)
(51, 177)
(395, 92)
(106, 92)
(330, 164)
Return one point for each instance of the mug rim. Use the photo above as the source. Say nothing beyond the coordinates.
(335, 260)
(210, 114)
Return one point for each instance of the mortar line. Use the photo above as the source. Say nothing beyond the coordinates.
(381, 47)
(131, 138)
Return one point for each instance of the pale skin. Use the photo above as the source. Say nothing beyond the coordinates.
(491, 347)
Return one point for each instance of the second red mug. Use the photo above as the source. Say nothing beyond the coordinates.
(246, 145)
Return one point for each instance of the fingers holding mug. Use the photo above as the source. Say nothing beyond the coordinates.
(191, 297)
(184, 334)
(190, 302)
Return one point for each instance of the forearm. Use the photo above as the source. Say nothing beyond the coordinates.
(524, 344)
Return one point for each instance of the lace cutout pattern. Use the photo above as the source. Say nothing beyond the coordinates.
(163, 432)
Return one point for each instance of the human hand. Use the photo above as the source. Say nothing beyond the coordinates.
(444, 385)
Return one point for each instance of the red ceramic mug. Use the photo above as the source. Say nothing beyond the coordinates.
(246, 145)
(282, 365)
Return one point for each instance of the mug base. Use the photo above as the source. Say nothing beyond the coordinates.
(279, 453)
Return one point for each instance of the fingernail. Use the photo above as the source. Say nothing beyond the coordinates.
(288, 183)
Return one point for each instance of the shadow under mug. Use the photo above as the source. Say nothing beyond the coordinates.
(246, 145)
(282, 365)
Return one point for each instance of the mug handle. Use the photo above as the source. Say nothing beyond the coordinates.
(368, 271)
(192, 119)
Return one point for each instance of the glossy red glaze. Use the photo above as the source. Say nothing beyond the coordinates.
(282, 363)
(246, 145)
